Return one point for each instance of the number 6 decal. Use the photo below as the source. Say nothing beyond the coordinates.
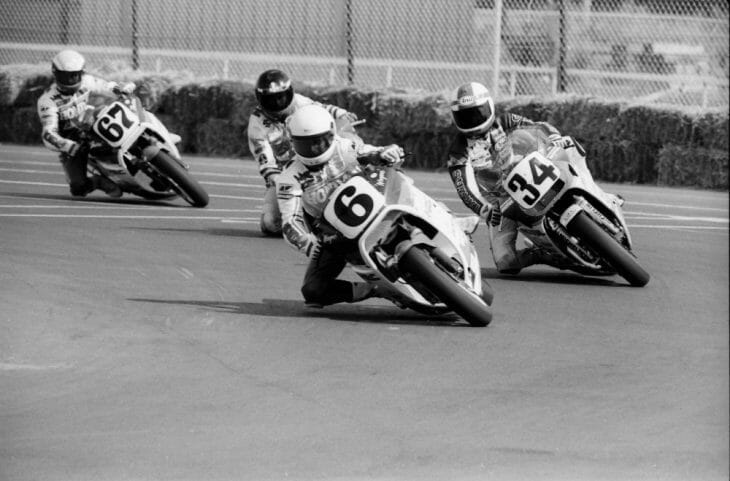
(352, 206)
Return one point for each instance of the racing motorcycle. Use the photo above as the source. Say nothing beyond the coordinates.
(131, 147)
(409, 245)
(561, 209)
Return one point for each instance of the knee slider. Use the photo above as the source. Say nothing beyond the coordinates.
(507, 265)
(314, 292)
(270, 224)
(81, 189)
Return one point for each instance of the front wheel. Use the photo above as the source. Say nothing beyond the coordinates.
(608, 249)
(417, 262)
(182, 183)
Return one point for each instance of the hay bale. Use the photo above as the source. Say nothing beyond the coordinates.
(21, 85)
(696, 166)
(20, 125)
(625, 143)
(218, 136)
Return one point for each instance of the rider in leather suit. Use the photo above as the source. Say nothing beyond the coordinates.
(59, 108)
(477, 156)
(267, 136)
(323, 161)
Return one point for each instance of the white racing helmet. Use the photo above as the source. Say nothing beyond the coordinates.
(472, 108)
(312, 133)
(68, 69)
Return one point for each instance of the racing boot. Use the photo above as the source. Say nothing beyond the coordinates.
(102, 183)
(360, 292)
(468, 224)
(159, 186)
(540, 255)
(364, 290)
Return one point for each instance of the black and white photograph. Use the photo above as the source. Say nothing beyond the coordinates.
(364, 240)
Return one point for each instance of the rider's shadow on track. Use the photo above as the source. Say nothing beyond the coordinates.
(380, 314)
(550, 276)
(217, 231)
(175, 202)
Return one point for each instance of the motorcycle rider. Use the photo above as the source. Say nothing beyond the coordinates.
(59, 108)
(267, 136)
(323, 160)
(477, 158)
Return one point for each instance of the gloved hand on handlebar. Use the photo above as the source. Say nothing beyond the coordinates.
(312, 247)
(348, 117)
(492, 214)
(124, 89)
(559, 140)
(391, 154)
(316, 244)
(79, 149)
(565, 142)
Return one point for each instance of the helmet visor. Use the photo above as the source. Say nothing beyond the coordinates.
(313, 145)
(472, 117)
(68, 79)
(276, 102)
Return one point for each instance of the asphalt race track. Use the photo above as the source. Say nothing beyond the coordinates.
(154, 341)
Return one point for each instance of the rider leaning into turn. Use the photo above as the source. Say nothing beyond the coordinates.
(267, 137)
(477, 157)
(59, 109)
(323, 160)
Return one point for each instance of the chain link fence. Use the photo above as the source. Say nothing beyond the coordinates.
(657, 51)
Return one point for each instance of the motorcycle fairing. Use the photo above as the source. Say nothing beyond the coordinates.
(409, 208)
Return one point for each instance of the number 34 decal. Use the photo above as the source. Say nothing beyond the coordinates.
(531, 179)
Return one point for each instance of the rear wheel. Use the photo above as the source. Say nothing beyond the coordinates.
(181, 181)
(608, 249)
(417, 262)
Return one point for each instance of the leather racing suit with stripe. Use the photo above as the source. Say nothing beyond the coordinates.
(59, 114)
(269, 144)
(475, 168)
(302, 195)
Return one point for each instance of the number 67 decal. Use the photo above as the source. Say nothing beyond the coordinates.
(352, 206)
(114, 123)
(531, 179)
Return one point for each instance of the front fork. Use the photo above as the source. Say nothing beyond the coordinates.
(619, 232)
(557, 228)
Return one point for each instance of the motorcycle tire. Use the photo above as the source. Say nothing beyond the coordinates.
(609, 249)
(473, 309)
(182, 183)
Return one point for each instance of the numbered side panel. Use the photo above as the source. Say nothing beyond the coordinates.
(352, 207)
(532, 180)
(116, 123)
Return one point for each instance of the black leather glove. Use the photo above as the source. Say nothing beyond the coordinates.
(493, 215)
(79, 150)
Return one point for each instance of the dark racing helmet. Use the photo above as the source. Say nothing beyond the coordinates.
(472, 109)
(274, 91)
(68, 69)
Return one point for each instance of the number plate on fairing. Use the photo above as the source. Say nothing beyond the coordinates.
(531, 179)
(352, 206)
(115, 123)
